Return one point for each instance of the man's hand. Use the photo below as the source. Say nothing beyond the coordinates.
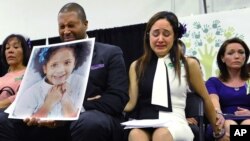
(32, 121)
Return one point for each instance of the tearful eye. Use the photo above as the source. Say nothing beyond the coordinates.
(166, 33)
(157, 32)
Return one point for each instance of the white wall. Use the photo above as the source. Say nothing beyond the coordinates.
(37, 19)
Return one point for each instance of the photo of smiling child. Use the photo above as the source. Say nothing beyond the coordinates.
(60, 91)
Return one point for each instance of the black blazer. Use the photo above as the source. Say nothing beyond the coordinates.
(108, 78)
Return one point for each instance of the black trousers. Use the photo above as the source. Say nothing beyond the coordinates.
(91, 126)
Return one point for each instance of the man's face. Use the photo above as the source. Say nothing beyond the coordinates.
(71, 27)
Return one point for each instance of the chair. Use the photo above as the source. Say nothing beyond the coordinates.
(194, 108)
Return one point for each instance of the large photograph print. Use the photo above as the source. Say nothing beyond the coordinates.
(55, 81)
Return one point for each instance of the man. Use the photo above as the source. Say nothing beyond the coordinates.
(105, 98)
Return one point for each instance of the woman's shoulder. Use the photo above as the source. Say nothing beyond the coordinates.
(214, 80)
(193, 64)
(192, 61)
(133, 64)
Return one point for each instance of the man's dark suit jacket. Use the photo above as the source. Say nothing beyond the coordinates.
(108, 78)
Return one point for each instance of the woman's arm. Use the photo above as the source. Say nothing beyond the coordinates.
(4, 103)
(133, 89)
(198, 85)
(215, 100)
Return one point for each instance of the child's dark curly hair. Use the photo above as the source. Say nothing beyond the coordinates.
(81, 51)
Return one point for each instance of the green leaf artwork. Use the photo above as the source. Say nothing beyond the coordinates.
(204, 40)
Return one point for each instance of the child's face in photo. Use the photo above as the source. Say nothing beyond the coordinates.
(60, 65)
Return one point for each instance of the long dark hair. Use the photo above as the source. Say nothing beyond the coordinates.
(25, 46)
(175, 54)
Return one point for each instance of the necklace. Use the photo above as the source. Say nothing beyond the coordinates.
(236, 88)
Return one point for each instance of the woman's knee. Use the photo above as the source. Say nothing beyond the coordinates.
(162, 134)
(138, 134)
(245, 122)
(228, 123)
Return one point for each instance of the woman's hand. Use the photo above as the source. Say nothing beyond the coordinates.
(242, 112)
(192, 121)
(220, 120)
(224, 138)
